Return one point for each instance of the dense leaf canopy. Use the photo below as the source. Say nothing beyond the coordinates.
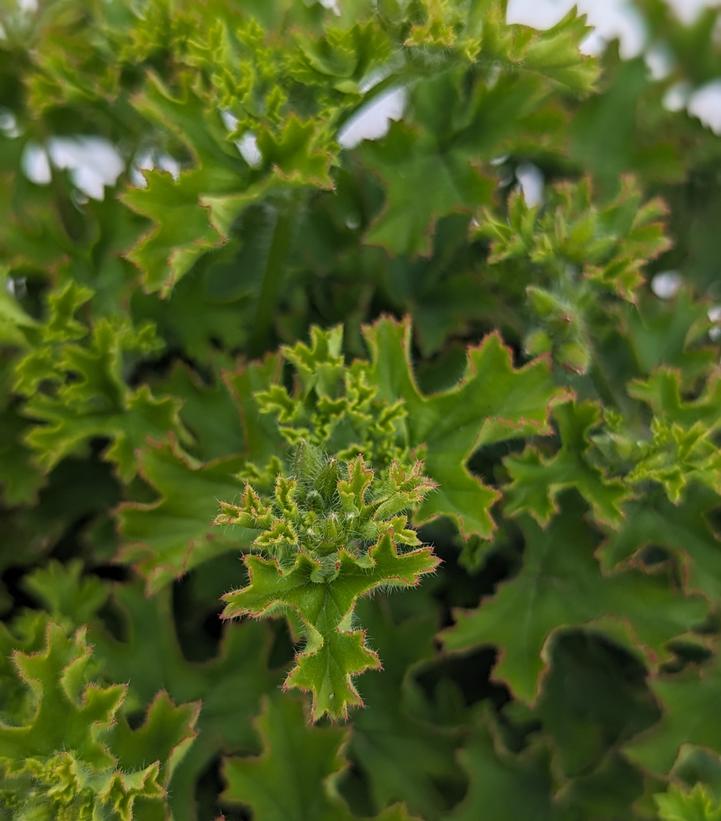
(344, 474)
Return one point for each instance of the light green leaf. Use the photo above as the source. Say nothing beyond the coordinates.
(334, 653)
(77, 757)
(73, 380)
(537, 482)
(65, 593)
(692, 805)
(228, 685)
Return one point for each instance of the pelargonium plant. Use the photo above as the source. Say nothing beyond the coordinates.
(360, 412)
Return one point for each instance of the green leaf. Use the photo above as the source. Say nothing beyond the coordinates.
(479, 30)
(167, 731)
(66, 594)
(670, 333)
(578, 682)
(404, 750)
(26, 634)
(676, 457)
(67, 715)
(663, 393)
(608, 244)
(330, 530)
(456, 121)
(181, 231)
(334, 407)
(684, 530)
(228, 685)
(593, 699)
(698, 765)
(678, 451)
(325, 506)
(78, 495)
(210, 413)
(182, 228)
(343, 56)
(607, 138)
(207, 198)
(502, 785)
(410, 162)
(537, 482)
(334, 653)
(308, 761)
(560, 584)
(691, 805)
(20, 479)
(492, 403)
(262, 439)
(166, 538)
(685, 699)
(605, 792)
(554, 53)
(12, 316)
(76, 758)
(72, 378)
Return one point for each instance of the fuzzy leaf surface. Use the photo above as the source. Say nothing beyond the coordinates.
(334, 653)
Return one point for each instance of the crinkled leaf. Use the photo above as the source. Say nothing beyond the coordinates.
(65, 757)
(334, 653)
(663, 393)
(207, 198)
(68, 595)
(609, 244)
(537, 482)
(228, 686)
(73, 379)
(691, 805)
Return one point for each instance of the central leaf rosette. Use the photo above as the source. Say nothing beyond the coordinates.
(328, 534)
(336, 406)
(327, 506)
